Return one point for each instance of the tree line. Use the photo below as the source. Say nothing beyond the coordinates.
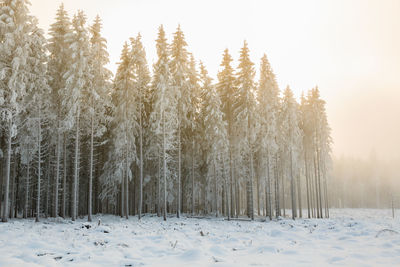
(77, 140)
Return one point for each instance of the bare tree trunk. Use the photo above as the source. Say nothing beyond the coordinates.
(258, 190)
(277, 191)
(27, 189)
(316, 188)
(326, 196)
(178, 206)
(283, 191)
(231, 172)
(237, 193)
(12, 198)
(193, 203)
(292, 187)
(251, 197)
(215, 187)
(48, 170)
(312, 191)
(227, 192)
(76, 168)
(158, 186)
(122, 200)
(319, 184)
(8, 165)
(141, 160)
(39, 168)
(57, 178)
(127, 193)
(91, 169)
(164, 167)
(307, 183)
(300, 214)
(64, 200)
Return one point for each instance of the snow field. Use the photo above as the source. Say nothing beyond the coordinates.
(352, 237)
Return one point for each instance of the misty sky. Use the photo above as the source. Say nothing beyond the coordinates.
(350, 49)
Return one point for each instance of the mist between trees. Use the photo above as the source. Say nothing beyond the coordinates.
(77, 141)
(364, 183)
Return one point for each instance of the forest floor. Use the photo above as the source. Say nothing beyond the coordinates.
(351, 237)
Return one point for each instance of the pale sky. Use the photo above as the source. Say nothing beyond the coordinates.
(350, 49)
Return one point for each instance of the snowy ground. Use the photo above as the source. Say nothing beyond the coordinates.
(350, 238)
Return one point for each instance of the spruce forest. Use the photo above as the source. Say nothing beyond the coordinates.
(77, 140)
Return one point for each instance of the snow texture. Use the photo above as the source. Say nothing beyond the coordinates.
(350, 238)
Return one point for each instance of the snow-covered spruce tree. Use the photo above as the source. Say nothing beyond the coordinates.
(227, 91)
(268, 108)
(163, 119)
(193, 132)
(58, 47)
(291, 142)
(37, 109)
(97, 96)
(246, 120)
(215, 137)
(78, 79)
(179, 71)
(140, 86)
(305, 129)
(125, 124)
(15, 30)
(38, 100)
(321, 143)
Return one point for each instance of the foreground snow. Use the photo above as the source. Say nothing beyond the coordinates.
(350, 238)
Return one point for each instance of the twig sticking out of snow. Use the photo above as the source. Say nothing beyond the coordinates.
(386, 231)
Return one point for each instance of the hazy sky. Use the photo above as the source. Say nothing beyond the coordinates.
(350, 49)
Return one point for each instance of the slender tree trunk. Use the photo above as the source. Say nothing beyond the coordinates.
(8, 165)
(319, 184)
(39, 167)
(48, 170)
(17, 178)
(277, 191)
(292, 187)
(312, 190)
(76, 167)
(326, 195)
(12, 197)
(300, 214)
(307, 183)
(141, 160)
(127, 193)
(164, 167)
(193, 203)
(122, 197)
(91, 169)
(316, 187)
(268, 198)
(258, 190)
(27, 189)
(159, 186)
(215, 187)
(237, 193)
(57, 178)
(231, 172)
(64, 200)
(251, 197)
(227, 191)
(283, 190)
(178, 206)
